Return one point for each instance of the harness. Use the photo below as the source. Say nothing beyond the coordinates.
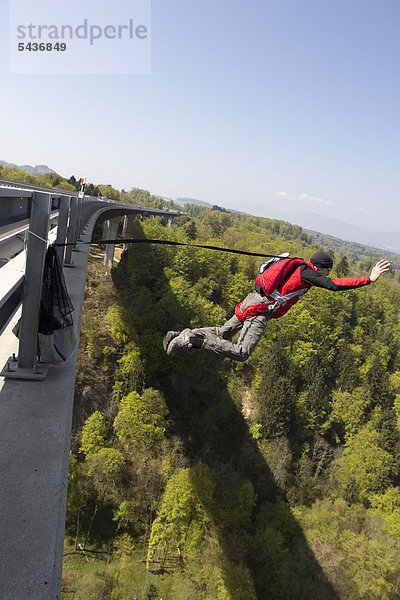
(279, 299)
(268, 283)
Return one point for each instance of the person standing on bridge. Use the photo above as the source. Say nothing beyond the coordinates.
(281, 283)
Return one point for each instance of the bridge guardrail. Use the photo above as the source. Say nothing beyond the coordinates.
(74, 213)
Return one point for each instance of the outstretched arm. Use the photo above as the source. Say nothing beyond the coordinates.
(315, 278)
(381, 267)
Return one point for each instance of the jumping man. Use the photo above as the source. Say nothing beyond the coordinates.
(278, 288)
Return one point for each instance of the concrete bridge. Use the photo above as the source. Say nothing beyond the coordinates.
(36, 399)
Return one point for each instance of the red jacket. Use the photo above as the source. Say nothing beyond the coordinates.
(302, 276)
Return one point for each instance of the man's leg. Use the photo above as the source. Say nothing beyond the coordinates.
(217, 339)
(225, 331)
(252, 331)
(188, 338)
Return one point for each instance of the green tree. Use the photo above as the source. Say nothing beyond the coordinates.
(365, 468)
(275, 392)
(140, 422)
(371, 565)
(72, 181)
(350, 410)
(313, 404)
(387, 507)
(105, 469)
(109, 192)
(181, 522)
(342, 268)
(94, 433)
(191, 230)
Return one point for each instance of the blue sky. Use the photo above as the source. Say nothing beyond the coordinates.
(249, 104)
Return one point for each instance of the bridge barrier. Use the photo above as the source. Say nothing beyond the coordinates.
(74, 214)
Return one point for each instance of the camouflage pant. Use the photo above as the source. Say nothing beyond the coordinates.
(218, 339)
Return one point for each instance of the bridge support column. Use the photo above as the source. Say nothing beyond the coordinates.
(125, 226)
(24, 366)
(110, 233)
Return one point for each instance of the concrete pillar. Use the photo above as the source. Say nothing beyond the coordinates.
(125, 224)
(106, 230)
(110, 233)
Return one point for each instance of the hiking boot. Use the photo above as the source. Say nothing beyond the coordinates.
(180, 342)
(169, 337)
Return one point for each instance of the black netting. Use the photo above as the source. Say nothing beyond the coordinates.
(55, 306)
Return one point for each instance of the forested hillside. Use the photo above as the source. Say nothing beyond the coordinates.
(197, 478)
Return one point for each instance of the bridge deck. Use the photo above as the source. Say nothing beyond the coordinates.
(36, 416)
(35, 427)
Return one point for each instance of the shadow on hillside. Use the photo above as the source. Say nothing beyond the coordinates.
(214, 433)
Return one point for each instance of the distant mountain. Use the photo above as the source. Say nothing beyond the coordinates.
(192, 201)
(37, 171)
(183, 201)
(386, 240)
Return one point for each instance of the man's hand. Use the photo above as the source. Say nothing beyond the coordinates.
(380, 267)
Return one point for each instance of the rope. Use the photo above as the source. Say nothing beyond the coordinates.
(167, 243)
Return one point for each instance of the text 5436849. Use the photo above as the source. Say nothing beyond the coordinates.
(42, 47)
